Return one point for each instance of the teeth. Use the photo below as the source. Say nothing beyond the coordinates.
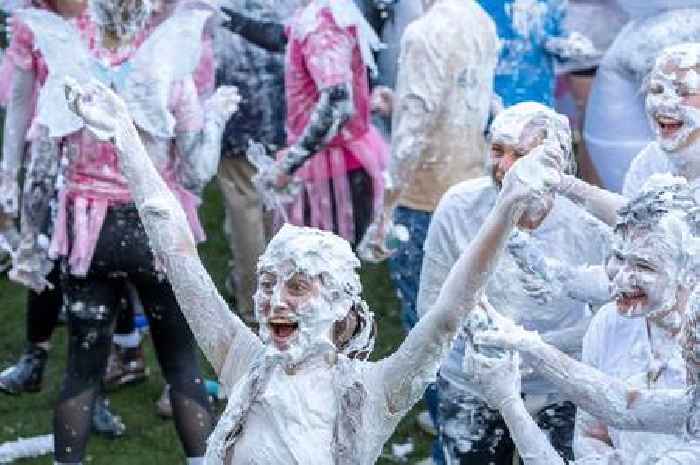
(667, 120)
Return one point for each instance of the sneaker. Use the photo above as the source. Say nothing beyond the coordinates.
(124, 366)
(163, 406)
(27, 374)
(104, 421)
(426, 423)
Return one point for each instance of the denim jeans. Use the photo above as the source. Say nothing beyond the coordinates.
(406, 263)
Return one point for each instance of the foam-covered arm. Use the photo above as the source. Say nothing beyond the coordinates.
(575, 47)
(598, 202)
(415, 363)
(266, 34)
(200, 150)
(584, 283)
(214, 326)
(533, 445)
(17, 120)
(605, 397)
(334, 108)
(408, 141)
(30, 263)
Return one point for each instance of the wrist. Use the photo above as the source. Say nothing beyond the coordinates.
(293, 159)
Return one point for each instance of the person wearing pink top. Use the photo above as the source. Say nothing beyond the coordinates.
(43, 307)
(333, 149)
(98, 236)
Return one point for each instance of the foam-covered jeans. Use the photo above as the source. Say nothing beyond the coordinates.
(471, 433)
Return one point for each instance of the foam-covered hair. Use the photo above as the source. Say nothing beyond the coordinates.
(511, 123)
(329, 257)
(666, 202)
(123, 17)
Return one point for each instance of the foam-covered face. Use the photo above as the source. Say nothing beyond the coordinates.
(296, 312)
(673, 104)
(121, 18)
(505, 150)
(645, 278)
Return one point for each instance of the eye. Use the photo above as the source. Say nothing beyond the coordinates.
(656, 88)
(644, 266)
(683, 90)
(267, 284)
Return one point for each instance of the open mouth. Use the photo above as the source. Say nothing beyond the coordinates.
(628, 301)
(669, 126)
(282, 330)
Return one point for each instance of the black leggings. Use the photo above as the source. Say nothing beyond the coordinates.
(92, 302)
(44, 307)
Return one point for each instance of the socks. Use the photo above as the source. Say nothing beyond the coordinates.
(127, 341)
(195, 460)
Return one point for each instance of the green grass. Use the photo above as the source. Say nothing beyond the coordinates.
(151, 440)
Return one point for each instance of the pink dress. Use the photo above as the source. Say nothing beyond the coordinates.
(93, 180)
(325, 56)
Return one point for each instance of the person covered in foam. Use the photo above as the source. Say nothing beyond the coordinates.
(302, 391)
(470, 432)
(615, 130)
(635, 385)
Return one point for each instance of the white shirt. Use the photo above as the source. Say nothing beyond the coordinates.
(620, 347)
(568, 234)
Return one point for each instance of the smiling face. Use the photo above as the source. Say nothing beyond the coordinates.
(644, 274)
(307, 284)
(673, 98)
(288, 302)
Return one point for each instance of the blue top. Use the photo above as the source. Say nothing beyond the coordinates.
(525, 70)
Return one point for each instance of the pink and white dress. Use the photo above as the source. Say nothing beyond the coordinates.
(321, 53)
(93, 181)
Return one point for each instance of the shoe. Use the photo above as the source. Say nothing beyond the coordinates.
(124, 366)
(104, 421)
(27, 374)
(163, 406)
(426, 423)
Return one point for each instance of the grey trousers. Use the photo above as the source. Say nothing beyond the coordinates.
(245, 226)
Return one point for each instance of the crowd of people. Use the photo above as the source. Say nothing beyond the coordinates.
(527, 168)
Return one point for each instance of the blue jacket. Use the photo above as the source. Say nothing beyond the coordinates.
(525, 70)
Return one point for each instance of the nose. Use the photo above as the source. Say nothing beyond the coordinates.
(626, 277)
(278, 302)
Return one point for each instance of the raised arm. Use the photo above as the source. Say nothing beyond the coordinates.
(200, 150)
(30, 263)
(17, 119)
(266, 34)
(406, 372)
(605, 397)
(214, 326)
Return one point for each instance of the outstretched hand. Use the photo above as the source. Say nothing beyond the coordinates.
(223, 104)
(496, 379)
(103, 110)
(506, 334)
(9, 198)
